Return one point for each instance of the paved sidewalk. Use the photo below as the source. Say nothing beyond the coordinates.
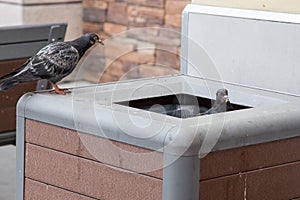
(7, 172)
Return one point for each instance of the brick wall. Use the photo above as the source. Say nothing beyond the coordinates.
(142, 38)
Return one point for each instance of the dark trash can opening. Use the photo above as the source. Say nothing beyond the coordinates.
(178, 105)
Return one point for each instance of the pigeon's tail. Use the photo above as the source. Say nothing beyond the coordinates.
(12, 79)
(7, 83)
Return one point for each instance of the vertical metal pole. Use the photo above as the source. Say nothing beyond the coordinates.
(184, 43)
(20, 131)
(181, 177)
(20, 145)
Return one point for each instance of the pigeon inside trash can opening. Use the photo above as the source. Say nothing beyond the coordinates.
(53, 62)
(221, 104)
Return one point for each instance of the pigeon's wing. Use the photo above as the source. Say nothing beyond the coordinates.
(54, 61)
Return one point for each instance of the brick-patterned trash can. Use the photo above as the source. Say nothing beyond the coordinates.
(109, 142)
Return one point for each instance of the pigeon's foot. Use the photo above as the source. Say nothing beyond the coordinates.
(61, 91)
(58, 90)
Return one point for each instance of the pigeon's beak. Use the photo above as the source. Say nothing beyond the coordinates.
(101, 42)
(226, 99)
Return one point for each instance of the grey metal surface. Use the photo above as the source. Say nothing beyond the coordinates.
(7, 138)
(93, 110)
(181, 178)
(252, 48)
(184, 43)
(20, 41)
(42, 85)
(20, 147)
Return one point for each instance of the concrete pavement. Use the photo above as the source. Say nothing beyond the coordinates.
(7, 172)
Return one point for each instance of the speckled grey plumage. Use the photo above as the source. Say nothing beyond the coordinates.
(53, 62)
(220, 104)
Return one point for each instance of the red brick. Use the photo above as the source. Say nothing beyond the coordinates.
(93, 15)
(117, 13)
(138, 58)
(91, 76)
(99, 4)
(92, 147)
(145, 15)
(122, 69)
(234, 161)
(174, 7)
(225, 188)
(179, 51)
(167, 58)
(113, 29)
(88, 177)
(116, 68)
(173, 20)
(106, 77)
(173, 33)
(152, 71)
(278, 182)
(149, 3)
(89, 27)
(115, 48)
(35, 190)
(157, 36)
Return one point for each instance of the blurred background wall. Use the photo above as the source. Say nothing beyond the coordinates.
(288, 6)
(133, 49)
(144, 52)
(17, 12)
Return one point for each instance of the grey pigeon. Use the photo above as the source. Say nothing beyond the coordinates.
(221, 103)
(53, 62)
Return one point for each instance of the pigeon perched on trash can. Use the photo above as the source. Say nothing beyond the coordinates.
(53, 62)
(221, 104)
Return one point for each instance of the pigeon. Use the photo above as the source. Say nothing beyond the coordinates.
(53, 62)
(221, 104)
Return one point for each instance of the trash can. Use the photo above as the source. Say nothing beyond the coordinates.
(119, 141)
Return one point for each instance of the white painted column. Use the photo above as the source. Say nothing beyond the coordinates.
(18, 12)
(285, 6)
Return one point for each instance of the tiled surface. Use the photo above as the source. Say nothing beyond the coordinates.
(88, 177)
(234, 161)
(276, 183)
(263, 171)
(95, 148)
(36, 191)
(214, 165)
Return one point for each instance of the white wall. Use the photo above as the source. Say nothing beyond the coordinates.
(10, 14)
(289, 6)
(17, 12)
